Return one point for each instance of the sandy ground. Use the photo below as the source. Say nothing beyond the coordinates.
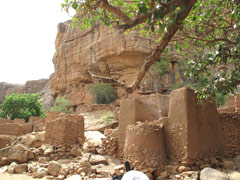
(6, 176)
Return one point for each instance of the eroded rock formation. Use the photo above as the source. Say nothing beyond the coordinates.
(96, 51)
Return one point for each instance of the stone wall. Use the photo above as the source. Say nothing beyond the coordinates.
(10, 129)
(15, 129)
(230, 133)
(64, 129)
(232, 104)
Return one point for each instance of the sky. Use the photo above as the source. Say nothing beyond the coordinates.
(28, 31)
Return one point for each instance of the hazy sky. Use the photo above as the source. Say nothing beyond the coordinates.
(27, 38)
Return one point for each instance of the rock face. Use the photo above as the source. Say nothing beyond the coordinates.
(99, 50)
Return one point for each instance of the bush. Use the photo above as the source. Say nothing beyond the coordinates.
(108, 118)
(22, 106)
(220, 99)
(62, 105)
(103, 93)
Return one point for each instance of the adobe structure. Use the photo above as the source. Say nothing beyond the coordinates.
(190, 134)
(153, 130)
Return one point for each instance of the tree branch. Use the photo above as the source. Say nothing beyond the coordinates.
(162, 45)
(212, 41)
(130, 23)
(118, 12)
(108, 79)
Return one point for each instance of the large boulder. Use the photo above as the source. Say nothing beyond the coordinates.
(18, 153)
(212, 174)
(33, 140)
(5, 139)
(54, 168)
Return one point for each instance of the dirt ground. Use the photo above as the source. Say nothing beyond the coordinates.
(6, 176)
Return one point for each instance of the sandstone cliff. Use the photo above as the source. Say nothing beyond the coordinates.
(100, 50)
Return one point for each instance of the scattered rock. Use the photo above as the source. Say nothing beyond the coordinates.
(12, 167)
(164, 175)
(229, 165)
(236, 160)
(54, 168)
(183, 169)
(17, 153)
(33, 140)
(44, 160)
(214, 162)
(41, 172)
(3, 169)
(76, 151)
(74, 177)
(234, 175)
(212, 174)
(21, 168)
(98, 159)
(48, 149)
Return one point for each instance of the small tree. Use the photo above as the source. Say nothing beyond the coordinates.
(62, 105)
(22, 106)
(103, 93)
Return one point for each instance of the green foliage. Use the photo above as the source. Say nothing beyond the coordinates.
(220, 99)
(160, 67)
(213, 30)
(22, 106)
(103, 93)
(62, 105)
(108, 118)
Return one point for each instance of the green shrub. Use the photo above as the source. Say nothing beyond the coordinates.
(108, 118)
(220, 99)
(22, 106)
(62, 105)
(103, 93)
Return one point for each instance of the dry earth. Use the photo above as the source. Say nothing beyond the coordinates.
(6, 176)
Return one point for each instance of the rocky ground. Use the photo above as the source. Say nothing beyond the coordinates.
(27, 157)
(6, 176)
(31, 159)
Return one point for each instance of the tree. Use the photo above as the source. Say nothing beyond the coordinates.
(21, 106)
(211, 26)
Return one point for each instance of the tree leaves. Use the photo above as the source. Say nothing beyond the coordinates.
(21, 106)
(143, 8)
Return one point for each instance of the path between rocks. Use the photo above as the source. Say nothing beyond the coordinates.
(6, 176)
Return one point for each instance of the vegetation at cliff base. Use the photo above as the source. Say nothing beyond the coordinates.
(103, 93)
(21, 106)
(62, 105)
